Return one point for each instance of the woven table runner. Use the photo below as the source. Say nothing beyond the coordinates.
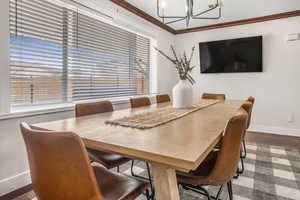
(158, 117)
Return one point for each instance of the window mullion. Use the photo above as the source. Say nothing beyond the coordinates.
(65, 53)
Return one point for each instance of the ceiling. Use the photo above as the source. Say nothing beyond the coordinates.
(233, 10)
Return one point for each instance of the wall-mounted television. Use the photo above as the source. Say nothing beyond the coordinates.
(232, 56)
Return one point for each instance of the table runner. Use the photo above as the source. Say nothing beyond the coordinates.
(147, 120)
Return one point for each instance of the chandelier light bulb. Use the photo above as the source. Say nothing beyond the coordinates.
(163, 4)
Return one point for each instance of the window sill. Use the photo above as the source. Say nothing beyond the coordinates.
(37, 110)
(55, 108)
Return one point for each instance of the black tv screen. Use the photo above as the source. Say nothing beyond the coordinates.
(229, 56)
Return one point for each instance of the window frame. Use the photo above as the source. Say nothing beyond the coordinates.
(5, 105)
(4, 59)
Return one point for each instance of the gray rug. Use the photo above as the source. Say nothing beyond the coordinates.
(271, 173)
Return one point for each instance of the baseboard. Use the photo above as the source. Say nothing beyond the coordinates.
(17, 193)
(275, 130)
(13, 183)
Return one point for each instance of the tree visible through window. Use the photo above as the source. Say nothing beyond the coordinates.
(59, 55)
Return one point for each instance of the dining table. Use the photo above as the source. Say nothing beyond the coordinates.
(179, 145)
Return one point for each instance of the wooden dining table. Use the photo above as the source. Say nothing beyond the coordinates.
(181, 144)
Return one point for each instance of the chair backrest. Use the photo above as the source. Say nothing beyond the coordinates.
(83, 109)
(59, 166)
(229, 154)
(248, 108)
(139, 102)
(251, 99)
(161, 98)
(213, 96)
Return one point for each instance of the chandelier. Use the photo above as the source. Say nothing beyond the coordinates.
(189, 9)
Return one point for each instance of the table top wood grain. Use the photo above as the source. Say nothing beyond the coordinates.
(182, 143)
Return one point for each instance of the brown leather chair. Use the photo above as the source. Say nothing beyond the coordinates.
(136, 103)
(248, 106)
(83, 109)
(161, 98)
(213, 96)
(109, 160)
(140, 102)
(220, 166)
(60, 170)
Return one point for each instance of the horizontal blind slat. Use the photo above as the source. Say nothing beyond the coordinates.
(59, 55)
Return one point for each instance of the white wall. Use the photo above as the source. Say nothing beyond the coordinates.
(13, 158)
(276, 89)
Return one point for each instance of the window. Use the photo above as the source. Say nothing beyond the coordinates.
(60, 55)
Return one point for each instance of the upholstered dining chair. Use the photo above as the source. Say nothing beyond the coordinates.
(139, 102)
(251, 100)
(136, 103)
(60, 170)
(161, 98)
(213, 96)
(83, 109)
(248, 106)
(220, 166)
(109, 160)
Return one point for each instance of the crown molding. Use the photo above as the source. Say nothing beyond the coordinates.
(153, 20)
(241, 22)
(144, 15)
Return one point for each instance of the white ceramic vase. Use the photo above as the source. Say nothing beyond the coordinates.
(183, 94)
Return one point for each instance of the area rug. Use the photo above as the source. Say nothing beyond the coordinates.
(271, 173)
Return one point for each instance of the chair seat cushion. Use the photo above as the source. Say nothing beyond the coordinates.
(116, 186)
(198, 176)
(109, 160)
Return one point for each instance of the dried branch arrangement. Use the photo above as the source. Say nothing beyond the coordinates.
(141, 67)
(182, 64)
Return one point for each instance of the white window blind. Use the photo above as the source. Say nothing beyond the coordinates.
(60, 55)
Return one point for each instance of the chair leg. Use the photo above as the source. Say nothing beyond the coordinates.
(131, 168)
(245, 149)
(206, 192)
(237, 174)
(149, 177)
(148, 195)
(219, 192)
(138, 176)
(240, 171)
(229, 186)
(149, 173)
(243, 167)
